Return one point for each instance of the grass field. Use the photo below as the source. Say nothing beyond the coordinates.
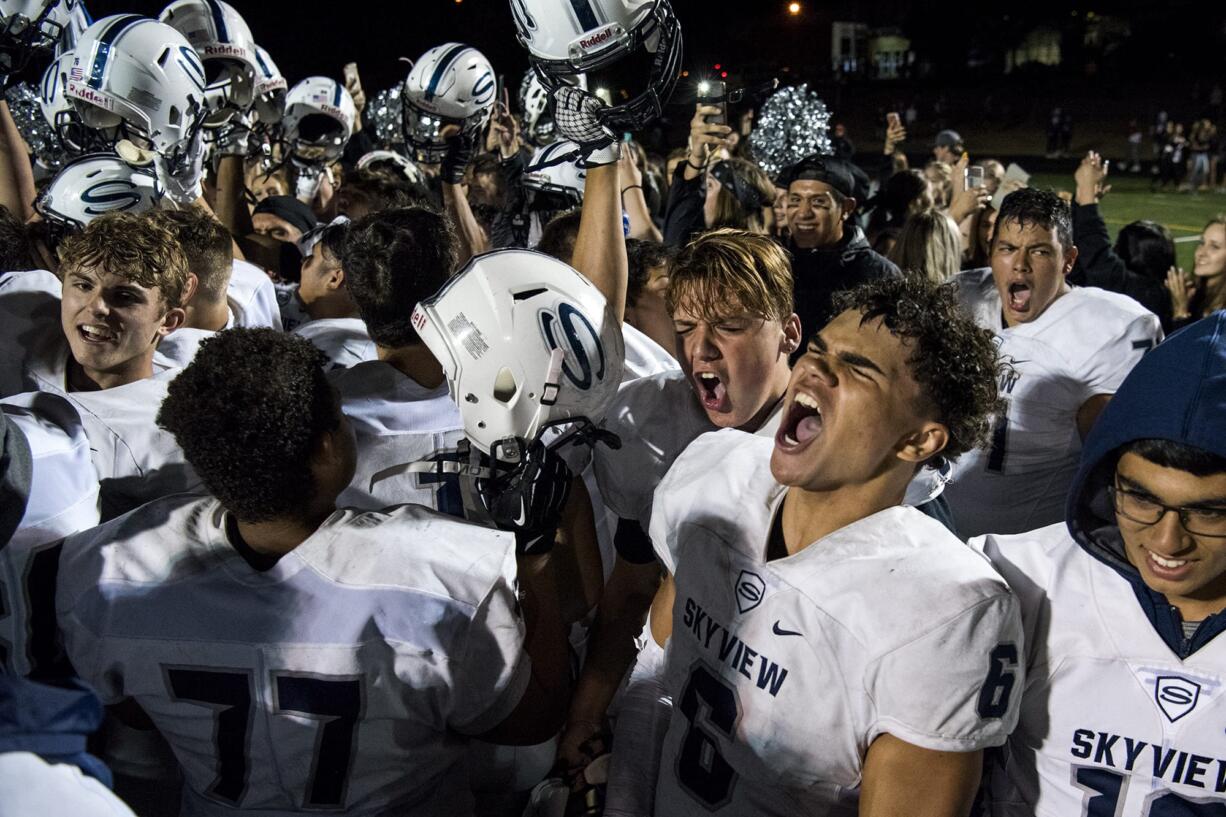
(1184, 214)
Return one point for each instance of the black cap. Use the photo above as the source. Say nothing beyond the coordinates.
(827, 169)
(290, 209)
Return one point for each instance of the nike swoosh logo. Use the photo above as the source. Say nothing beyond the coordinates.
(523, 514)
(780, 631)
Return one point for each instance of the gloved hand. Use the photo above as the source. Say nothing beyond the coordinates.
(461, 150)
(310, 178)
(577, 116)
(231, 139)
(183, 181)
(527, 497)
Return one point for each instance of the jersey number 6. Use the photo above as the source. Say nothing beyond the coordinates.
(701, 769)
(998, 686)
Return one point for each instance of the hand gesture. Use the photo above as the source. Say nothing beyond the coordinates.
(1090, 175)
(628, 170)
(895, 134)
(1181, 293)
(503, 134)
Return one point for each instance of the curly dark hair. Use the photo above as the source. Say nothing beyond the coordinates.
(1030, 205)
(371, 191)
(15, 250)
(247, 412)
(953, 360)
(392, 260)
(643, 256)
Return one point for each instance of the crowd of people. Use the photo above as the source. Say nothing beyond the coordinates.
(431, 453)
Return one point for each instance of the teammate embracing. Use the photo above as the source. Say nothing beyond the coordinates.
(829, 650)
(1124, 703)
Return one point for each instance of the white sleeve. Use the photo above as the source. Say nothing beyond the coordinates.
(642, 720)
(957, 687)
(30, 785)
(1105, 369)
(494, 670)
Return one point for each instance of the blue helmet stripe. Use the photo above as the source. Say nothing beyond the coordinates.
(336, 96)
(219, 20)
(586, 14)
(263, 65)
(441, 69)
(109, 35)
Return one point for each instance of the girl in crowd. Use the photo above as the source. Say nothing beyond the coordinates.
(1207, 293)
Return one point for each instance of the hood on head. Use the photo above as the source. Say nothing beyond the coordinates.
(1177, 392)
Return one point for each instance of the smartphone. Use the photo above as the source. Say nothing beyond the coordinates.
(1013, 171)
(351, 74)
(627, 137)
(973, 177)
(714, 92)
(892, 120)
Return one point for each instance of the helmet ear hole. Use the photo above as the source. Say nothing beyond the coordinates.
(174, 116)
(505, 386)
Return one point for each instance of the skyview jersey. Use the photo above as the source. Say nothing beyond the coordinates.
(338, 679)
(1112, 722)
(783, 672)
(1083, 345)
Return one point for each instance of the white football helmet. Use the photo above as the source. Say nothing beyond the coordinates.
(557, 170)
(137, 79)
(224, 44)
(270, 90)
(525, 340)
(318, 120)
(392, 161)
(452, 84)
(534, 103)
(568, 37)
(92, 186)
(77, 20)
(28, 27)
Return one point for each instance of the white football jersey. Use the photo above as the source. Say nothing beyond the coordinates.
(783, 672)
(397, 422)
(344, 340)
(252, 298)
(63, 499)
(1112, 722)
(179, 348)
(29, 314)
(1083, 345)
(293, 311)
(339, 679)
(135, 459)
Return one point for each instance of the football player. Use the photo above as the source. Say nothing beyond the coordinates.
(331, 320)
(296, 656)
(1065, 351)
(125, 280)
(828, 650)
(399, 404)
(1122, 709)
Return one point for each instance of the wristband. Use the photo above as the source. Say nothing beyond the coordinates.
(631, 187)
(699, 168)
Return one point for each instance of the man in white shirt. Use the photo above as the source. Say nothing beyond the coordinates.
(1065, 351)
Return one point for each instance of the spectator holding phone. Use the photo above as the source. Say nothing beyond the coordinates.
(687, 194)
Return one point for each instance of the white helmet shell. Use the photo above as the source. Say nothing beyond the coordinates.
(270, 89)
(77, 20)
(557, 169)
(534, 102)
(94, 185)
(525, 340)
(225, 46)
(74, 136)
(566, 38)
(318, 121)
(404, 166)
(137, 78)
(451, 84)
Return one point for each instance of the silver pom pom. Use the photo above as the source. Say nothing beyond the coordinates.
(38, 135)
(383, 113)
(793, 123)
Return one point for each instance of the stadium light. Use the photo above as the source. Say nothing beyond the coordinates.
(793, 8)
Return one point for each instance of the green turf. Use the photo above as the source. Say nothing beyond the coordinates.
(1184, 214)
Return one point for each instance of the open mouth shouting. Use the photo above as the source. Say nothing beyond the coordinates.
(801, 425)
(1018, 300)
(712, 391)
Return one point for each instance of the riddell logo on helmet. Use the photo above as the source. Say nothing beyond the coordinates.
(87, 94)
(225, 51)
(600, 38)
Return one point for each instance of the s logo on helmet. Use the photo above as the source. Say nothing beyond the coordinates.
(113, 195)
(523, 19)
(569, 329)
(191, 65)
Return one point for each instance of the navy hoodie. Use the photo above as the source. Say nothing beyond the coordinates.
(1177, 392)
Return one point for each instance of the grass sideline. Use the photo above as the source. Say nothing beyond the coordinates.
(1184, 214)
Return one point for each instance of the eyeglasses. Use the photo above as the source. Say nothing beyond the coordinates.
(1209, 522)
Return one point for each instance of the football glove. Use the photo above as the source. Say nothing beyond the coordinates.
(526, 492)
